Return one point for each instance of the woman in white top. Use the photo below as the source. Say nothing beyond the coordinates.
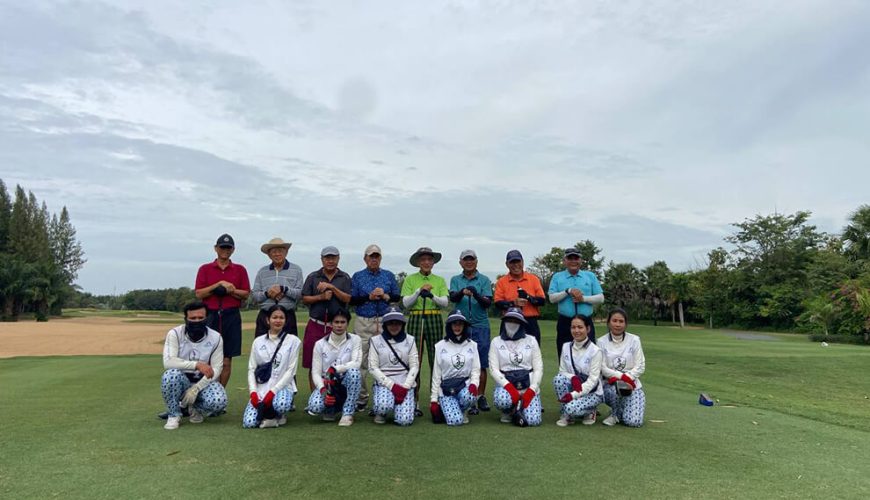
(272, 392)
(516, 366)
(335, 372)
(393, 363)
(622, 367)
(456, 373)
(577, 384)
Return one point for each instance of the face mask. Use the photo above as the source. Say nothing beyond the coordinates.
(510, 329)
(195, 330)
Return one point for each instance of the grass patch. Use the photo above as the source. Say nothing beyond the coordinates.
(786, 427)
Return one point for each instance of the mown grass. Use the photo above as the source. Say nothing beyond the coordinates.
(791, 423)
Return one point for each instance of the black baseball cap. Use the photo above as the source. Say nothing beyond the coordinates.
(225, 240)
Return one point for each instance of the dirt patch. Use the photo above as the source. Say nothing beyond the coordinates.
(77, 336)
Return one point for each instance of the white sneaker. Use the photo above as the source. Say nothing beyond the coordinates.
(505, 418)
(269, 422)
(589, 418)
(611, 420)
(465, 419)
(196, 417)
(346, 421)
(380, 419)
(172, 423)
(282, 420)
(564, 420)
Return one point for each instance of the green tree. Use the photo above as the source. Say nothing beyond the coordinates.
(679, 293)
(856, 234)
(657, 281)
(546, 265)
(623, 286)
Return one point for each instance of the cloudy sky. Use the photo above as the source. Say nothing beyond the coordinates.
(647, 127)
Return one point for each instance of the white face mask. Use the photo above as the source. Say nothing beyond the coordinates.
(511, 328)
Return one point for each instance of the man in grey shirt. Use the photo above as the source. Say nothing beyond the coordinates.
(277, 283)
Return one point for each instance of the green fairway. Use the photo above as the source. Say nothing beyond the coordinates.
(793, 420)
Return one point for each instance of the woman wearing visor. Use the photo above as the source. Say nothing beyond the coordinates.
(516, 366)
(456, 373)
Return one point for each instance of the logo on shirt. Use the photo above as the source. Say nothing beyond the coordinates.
(458, 361)
(277, 362)
(393, 359)
(193, 356)
(619, 363)
(516, 358)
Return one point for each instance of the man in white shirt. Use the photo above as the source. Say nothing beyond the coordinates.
(192, 360)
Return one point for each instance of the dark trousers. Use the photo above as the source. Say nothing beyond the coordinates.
(262, 325)
(227, 322)
(533, 329)
(563, 333)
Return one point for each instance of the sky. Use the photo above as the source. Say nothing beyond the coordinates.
(647, 127)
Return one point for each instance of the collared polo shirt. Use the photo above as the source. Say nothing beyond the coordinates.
(319, 309)
(585, 281)
(363, 282)
(210, 273)
(506, 288)
(414, 281)
(288, 277)
(476, 314)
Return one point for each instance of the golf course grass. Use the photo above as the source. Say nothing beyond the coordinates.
(792, 421)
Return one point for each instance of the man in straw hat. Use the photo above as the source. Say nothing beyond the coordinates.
(423, 295)
(278, 283)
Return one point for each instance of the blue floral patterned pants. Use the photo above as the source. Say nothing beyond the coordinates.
(352, 381)
(454, 407)
(629, 409)
(212, 399)
(385, 402)
(502, 400)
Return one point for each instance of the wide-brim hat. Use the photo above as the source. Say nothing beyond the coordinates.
(415, 258)
(274, 243)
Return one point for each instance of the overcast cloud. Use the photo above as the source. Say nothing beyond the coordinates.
(647, 127)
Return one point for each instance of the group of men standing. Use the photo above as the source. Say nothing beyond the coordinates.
(223, 287)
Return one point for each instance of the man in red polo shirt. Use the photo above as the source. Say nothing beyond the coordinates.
(222, 286)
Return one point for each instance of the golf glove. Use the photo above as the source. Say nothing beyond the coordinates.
(267, 399)
(628, 380)
(473, 390)
(399, 392)
(514, 393)
(527, 397)
(190, 396)
(255, 399)
(576, 383)
(567, 398)
(426, 294)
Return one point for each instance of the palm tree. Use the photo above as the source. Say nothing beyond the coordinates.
(856, 234)
(679, 292)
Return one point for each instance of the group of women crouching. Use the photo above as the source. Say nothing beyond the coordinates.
(589, 374)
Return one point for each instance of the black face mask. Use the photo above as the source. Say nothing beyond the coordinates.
(196, 330)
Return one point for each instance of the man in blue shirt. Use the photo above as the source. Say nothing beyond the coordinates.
(575, 292)
(472, 293)
(372, 290)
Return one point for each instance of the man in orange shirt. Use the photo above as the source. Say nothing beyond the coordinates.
(520, 289)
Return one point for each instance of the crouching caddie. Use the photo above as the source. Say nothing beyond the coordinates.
(193, 357)
(271, 373)
(456, 373)
(394, 364)
(577, 384)
(516, 366)
(335, 372)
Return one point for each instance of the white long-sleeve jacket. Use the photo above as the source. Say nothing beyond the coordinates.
(283, 368)
(625, 356)
(179, 352)
(523, 354)
(454, 360)
(343, 352)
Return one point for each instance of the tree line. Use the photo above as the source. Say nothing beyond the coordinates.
(780, 273)
(39, 256)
